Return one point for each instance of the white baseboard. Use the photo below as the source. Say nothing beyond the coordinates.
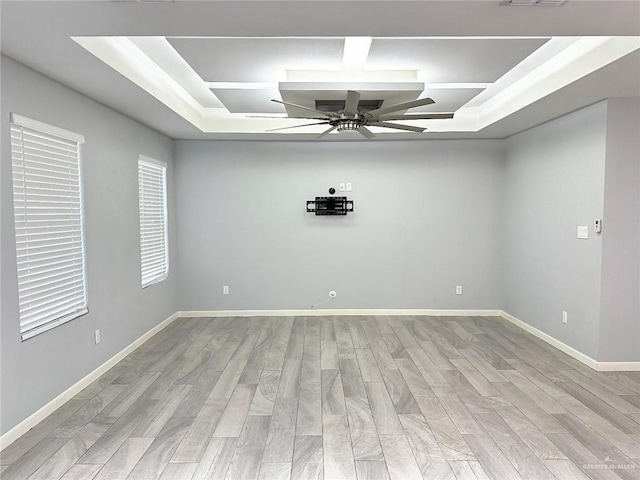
(23, 427)
(618, 367)
(342, 312)
(572, 352)
(563, 347)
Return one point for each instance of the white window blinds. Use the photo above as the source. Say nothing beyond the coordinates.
(47, 200)
(152, 191)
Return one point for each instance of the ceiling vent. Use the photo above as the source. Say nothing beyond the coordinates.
(534, 3)
(338, 105)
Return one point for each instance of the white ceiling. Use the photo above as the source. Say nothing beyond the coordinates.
(205, 69)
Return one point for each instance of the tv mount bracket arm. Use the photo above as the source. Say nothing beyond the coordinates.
(330, 206)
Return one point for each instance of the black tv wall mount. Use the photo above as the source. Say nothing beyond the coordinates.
(330, 206)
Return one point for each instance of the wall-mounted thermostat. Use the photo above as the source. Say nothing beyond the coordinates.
(598, 226)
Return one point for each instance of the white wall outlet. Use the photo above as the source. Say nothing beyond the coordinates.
(96, 336)
(583, 232)
(349, 186)
(333, 294)
(459, 290)
(341, 187)
(225, 290)
(564, 317)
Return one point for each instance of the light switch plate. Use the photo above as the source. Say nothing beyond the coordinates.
(583, 232)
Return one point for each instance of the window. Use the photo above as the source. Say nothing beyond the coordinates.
(152, 191)
(47, 203)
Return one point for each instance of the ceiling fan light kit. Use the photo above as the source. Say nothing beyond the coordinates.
(349, 124)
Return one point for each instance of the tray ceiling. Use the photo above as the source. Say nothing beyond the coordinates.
(163, 66)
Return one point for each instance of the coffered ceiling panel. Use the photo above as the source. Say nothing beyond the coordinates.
(257, 59)
(449, 60)
(249, 100)
(447, 99)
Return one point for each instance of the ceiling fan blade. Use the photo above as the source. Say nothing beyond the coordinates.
(401, 106)
(296, 126)
(365, 132)
(324, 114)
(421, 116)
(327, 132)
(409, 128)
(351, 104)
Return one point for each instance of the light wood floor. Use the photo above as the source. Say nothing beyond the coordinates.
(341, 398)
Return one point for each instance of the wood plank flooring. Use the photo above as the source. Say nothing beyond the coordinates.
(340, 398)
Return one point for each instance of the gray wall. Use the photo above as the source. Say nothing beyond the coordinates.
(426, 219)
(498, 217)
(554, 181)
(37, 370)
(620, 305)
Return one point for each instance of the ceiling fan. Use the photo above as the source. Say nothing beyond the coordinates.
(352, 119)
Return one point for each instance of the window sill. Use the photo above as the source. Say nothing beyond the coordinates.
(27, 334)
